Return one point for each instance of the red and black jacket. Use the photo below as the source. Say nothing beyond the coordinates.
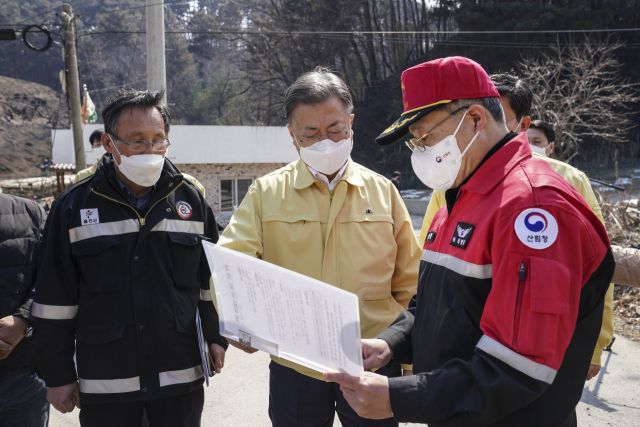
(505, 321)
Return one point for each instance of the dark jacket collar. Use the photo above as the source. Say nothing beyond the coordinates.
(104, 180)
(492, 169)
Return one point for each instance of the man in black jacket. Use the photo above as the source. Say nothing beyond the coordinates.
(22, 394)
(124, 274)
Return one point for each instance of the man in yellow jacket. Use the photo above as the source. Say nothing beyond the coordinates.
(96, 146)
(329, 218)
(516, 98)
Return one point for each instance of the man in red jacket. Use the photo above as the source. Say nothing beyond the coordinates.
(513, 275)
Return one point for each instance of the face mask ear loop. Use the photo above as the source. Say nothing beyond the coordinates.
(519, 123)
(460, 124)
(114, 146)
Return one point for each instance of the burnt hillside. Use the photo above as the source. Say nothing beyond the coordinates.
(28, 112)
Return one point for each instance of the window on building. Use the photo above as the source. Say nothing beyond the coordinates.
(232, 191)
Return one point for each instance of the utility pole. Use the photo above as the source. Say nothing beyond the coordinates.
(73, 84)
(156, 68)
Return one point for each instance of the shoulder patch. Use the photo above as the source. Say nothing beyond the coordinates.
(536, 228)
(184, 210)
(89, 216)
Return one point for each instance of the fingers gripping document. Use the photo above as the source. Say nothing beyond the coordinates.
(285, 313)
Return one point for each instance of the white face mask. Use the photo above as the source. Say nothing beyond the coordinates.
(142, 169)
(98, 152)
(539, 150)
(326, 156)
(438, 166)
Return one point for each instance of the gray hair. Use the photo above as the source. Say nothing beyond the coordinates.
(492, 105)
(316, 87)
(132, 98)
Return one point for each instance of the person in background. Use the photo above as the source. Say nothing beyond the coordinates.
(122, 278)
(96, 146)
(542, 138)
(396, 179)
(23, 400)
(331, 219)
(95, 139)
(516, 97)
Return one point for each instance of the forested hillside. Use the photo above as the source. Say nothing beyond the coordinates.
(229, 61)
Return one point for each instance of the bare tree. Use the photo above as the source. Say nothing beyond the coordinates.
(579, 90)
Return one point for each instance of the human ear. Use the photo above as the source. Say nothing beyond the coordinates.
(479, 116)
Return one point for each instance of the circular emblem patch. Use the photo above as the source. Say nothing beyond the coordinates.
(184, 210)
(536, 228)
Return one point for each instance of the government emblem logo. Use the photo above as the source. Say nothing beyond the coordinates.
(184, 210)
(536, 228)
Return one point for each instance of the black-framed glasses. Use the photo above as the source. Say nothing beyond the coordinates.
(335, 136)
(141, 145)
(416, 143)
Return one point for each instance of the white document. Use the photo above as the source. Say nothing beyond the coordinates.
(285, 313)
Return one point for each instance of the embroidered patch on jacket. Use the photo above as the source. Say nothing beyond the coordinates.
(536, 228)
(462, 235)
(184, 210)
(431, 236)
(369, 211)
(89, 216)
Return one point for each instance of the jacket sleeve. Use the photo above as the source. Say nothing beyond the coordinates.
(627, 266)
(583, 185)
(404, 281)
(208, 313)
(244, 232)
(538, 296)
(38, 220)
(56, 303)
(398, 335)
(437, 201)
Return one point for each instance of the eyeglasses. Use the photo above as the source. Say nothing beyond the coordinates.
(335, 136)
(140, 145)
(416, 143)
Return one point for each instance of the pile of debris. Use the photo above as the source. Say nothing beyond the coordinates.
(626, 310)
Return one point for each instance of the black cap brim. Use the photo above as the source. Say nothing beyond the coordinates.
(401, 126)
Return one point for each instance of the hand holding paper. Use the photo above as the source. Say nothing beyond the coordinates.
(286, 314)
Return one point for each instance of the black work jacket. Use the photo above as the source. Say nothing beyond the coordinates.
(21, 225)
(125, 284)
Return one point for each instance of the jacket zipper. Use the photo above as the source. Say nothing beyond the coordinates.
(141, 220)
(521, 277)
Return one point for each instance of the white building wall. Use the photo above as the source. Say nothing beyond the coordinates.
(201, 145)
(210, 175)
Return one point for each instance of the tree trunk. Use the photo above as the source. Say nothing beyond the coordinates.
(371, 53)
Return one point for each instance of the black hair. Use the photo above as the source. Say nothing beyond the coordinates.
(97, 134)
(132, 98)
(491, 104)
(546, 128)
(316, 87)
(396, 173)
(517, 90)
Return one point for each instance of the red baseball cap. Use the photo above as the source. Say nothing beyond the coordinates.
(427, 86)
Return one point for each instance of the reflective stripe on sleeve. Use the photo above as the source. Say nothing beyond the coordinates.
(124, 385)
(529, 367)
(54, 312)
(104, 229)
(467, 269)
(182, 376)
(205, 295)
(180, 226)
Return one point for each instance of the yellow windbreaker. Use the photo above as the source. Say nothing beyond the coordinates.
(580, 182)
(358, 237)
